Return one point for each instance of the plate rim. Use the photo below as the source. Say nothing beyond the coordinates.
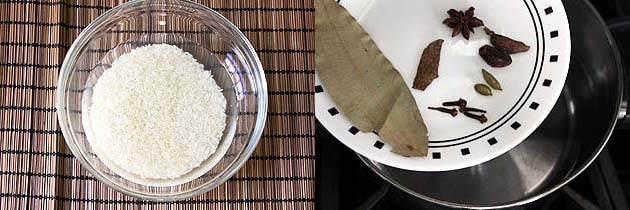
(564, 45)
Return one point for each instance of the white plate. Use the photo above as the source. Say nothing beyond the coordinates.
(531, 84)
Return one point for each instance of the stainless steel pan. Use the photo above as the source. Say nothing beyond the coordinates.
(562, 147)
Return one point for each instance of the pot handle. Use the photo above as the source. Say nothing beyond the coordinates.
(623, 117)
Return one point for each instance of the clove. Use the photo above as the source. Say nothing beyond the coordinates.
(471, 109)
(481, 118)
(461, 103)
(452, 111)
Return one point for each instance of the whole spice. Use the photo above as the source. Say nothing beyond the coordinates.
(481, 118)
(452, 111)
(494, 57)
(462, 22)
(364, 84)
(468, 111)
(471, 109)
(428, 67)
(460, 103)
(506, 44)
(491, 80)
(483, 89)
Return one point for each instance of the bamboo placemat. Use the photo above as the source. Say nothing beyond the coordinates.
(38, 171)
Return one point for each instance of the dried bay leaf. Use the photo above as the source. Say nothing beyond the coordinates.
(363, 83)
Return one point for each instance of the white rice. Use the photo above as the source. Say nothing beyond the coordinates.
(156, 113)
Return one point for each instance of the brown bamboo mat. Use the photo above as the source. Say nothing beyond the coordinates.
(38, 171)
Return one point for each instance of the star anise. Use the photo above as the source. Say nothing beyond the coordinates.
(462, 22)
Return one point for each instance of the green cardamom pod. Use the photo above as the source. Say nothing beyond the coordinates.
(491, 80)
(483, 89)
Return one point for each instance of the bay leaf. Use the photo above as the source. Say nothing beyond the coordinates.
(363, 83)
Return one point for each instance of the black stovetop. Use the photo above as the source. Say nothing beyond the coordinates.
(344, 182)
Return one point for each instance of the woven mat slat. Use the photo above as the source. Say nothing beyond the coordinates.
(38, 171)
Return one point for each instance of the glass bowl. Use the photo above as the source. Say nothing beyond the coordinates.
(212, 40)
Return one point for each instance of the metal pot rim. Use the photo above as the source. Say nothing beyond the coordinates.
(557, 186)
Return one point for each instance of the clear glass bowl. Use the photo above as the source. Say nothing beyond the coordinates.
(211, 39)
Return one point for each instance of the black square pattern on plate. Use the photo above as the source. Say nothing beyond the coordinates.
(492, 141)
(353, 130)
(533, 106)
(553, 58)
(319, 89)
(333, 111)
(515, 125)
(554, 34)
(378, 144)
(436, 155)
(547, 83)
(548, 10)
(465, 151)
